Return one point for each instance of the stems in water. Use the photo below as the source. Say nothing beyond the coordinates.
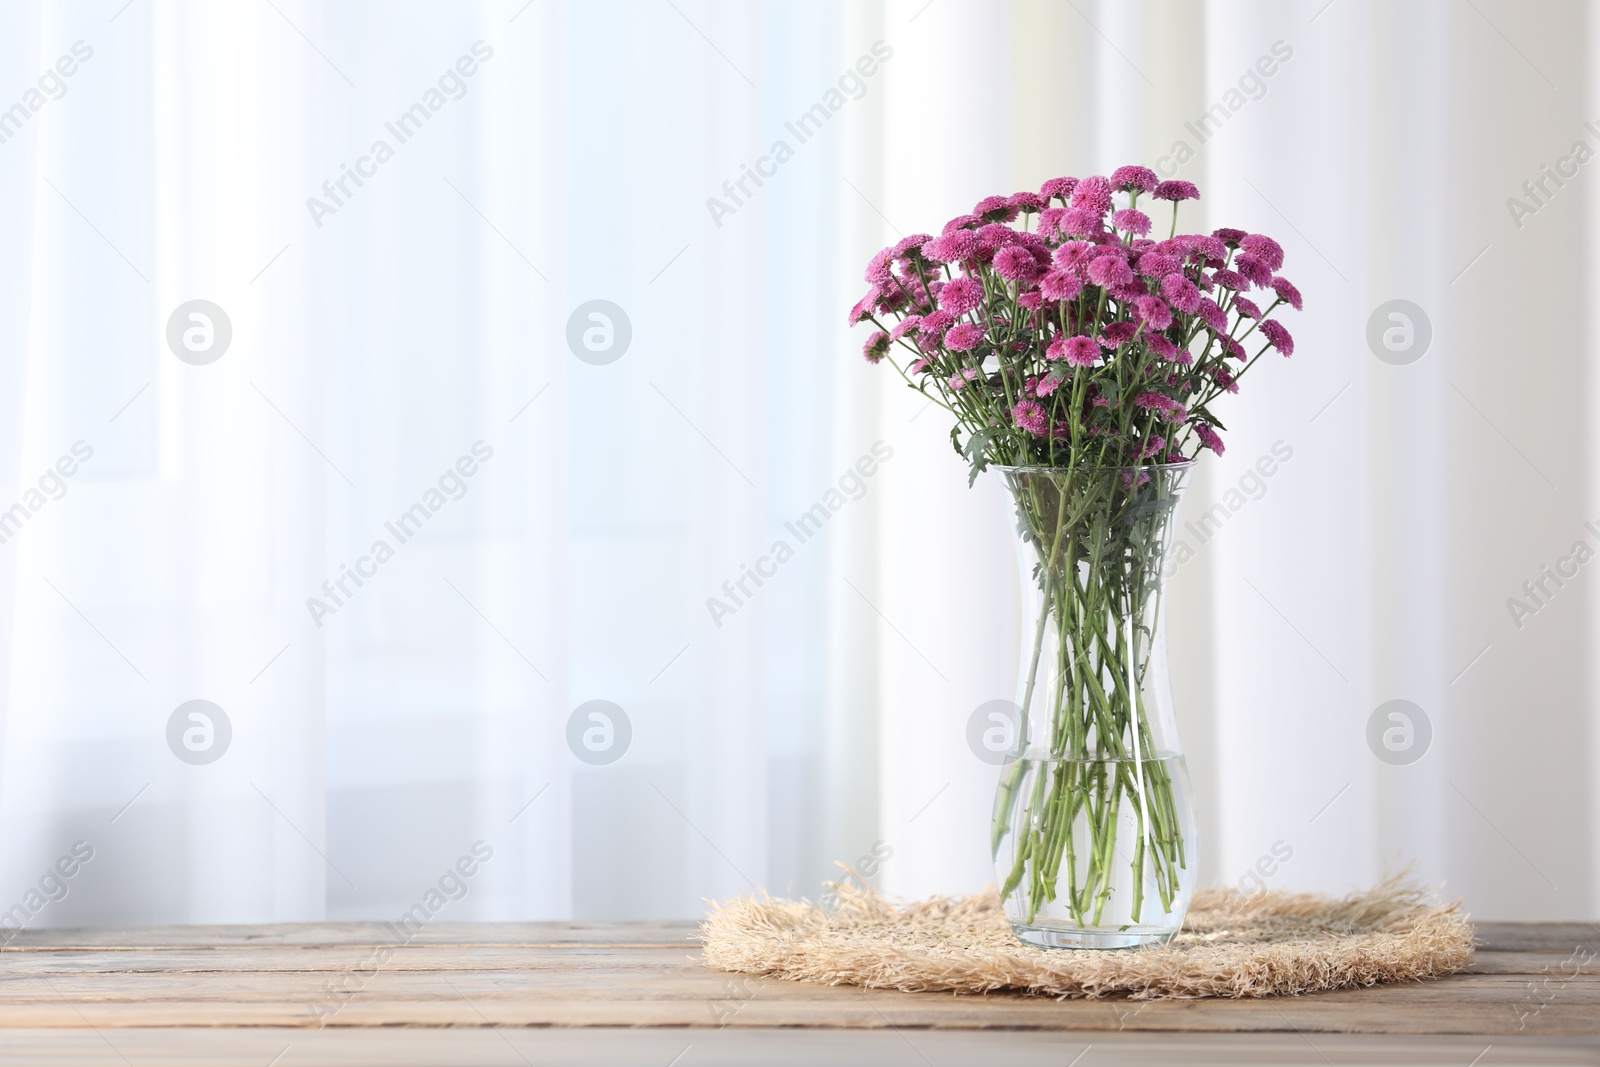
(1098, 535)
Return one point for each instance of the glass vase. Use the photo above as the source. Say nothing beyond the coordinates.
(1094, 830)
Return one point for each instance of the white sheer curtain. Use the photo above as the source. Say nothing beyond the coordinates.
(1381, 143)
(370, 349)
(378, 338)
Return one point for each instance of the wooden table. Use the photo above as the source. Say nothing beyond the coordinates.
(635, 993)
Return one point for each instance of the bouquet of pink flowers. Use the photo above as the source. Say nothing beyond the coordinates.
(1083, 340)
(1081, 359)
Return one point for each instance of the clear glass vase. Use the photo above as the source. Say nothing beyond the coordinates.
(1094, 829)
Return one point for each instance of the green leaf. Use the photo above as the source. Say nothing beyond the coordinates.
(976, 453)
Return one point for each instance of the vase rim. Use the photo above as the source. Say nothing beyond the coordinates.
(1182, 465)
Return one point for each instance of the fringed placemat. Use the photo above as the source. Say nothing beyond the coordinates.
(1232, 945)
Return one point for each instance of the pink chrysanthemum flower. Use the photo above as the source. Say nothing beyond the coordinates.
(1031, 417)
(893, 296)
(1153, 312)
(1181, 293)
(906, 246)
(1081, 222)
(1169, 409)
(1154, 444)
(1149, 401)
(876, 347)
(1233, 348)
(880, 268)
(1208, 437)
(1116, 334)
(1229, 279)
(941, 250)
(1027, 202)
(1168, 351)
(1072, 254)
(1268, 250)
(953, 247)
(1228, 236)
(1278, 337)
(1286, 292)
(1030, 300)
(995, 209)
(960, 295)
(904, 326)
(938, 250)
(863, 307)
(1046, 385)
(1159, 265)
(1254, 268)
(1223, 378)
(1110, 270)
(1129, 179)
(1176, 191)
(919, 367)
(1050, 221)
(1015, 263)
(959, 381)
(1130, 221)
(1060, 285)
(1033, 241)
(1210, 250)
(963, 337)
(997, 235)
(937, 323)
(1212, 315)
(1077, 351)
(962, 222)
(1060, 188)
(1246, 307)
(1092, 194)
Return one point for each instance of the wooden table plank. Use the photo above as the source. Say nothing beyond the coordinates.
(1470, 1015)
(1560, 938)
(286, 935)
(1526, 981)
(594, 1047)
(1525, 967)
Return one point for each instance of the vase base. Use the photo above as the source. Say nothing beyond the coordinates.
(1051, 936)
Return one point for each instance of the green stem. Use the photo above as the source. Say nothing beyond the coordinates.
(1086, 741)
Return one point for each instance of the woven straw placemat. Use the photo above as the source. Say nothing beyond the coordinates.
(1232, 945)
